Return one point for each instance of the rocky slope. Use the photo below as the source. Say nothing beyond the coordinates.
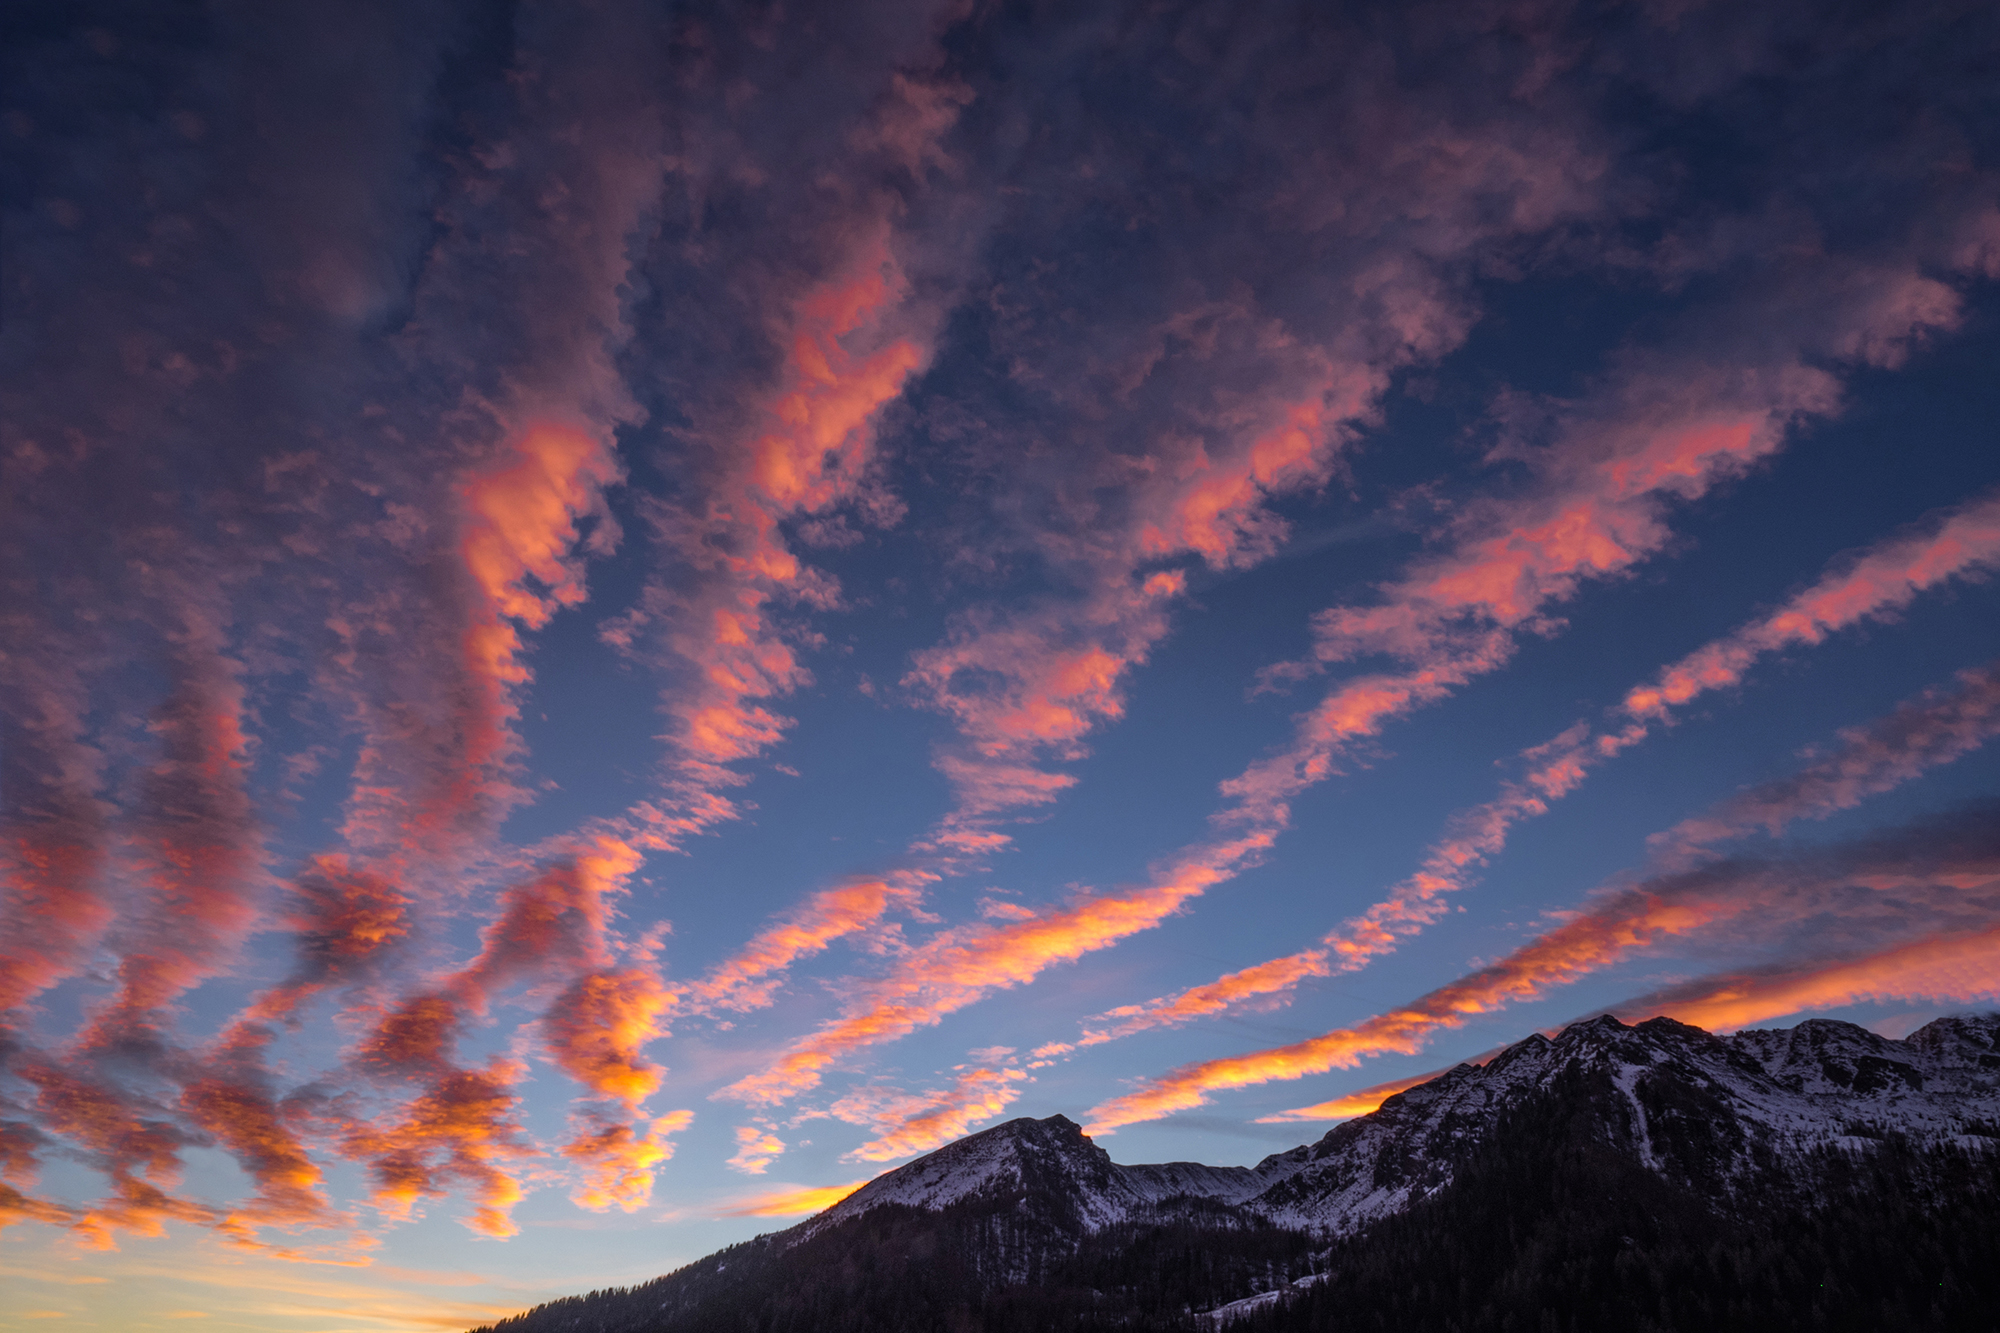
(1031, 1224)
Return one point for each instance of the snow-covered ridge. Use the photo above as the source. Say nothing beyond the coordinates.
(1053, 1159)
(1683, 1102)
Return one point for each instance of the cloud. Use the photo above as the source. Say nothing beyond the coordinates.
(908, 1124)
(791, 1202)
(805, 450)
(1362, 1101)
(1916, 878)
(457, 1127)
(597, 1026)
(136, 1149)
(1935, 728)
(52, 822)
(967, 963)
(1166, 397)
(460, 1129)
(247, 1122)
(1958, 543)
(756, 1149)
(321, 417)
(1663, 428)
(618, 1160)
(830, 308)
(1959, 967)
(195, 867)
(1214, 997)
(749, 978)
(1654, 435)
(434, 772)
(1963, 542)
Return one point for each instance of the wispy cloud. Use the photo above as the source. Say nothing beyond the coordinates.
(1960, 543)
(965, 964)
(912, 1123)
(1655, 911)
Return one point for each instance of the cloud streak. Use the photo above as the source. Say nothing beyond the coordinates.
(792, 1202)
(1961, 543)
(965, 964)
(908, 1124)
(1935, 728)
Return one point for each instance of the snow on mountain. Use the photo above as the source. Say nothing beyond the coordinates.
(1691, 1106)
(1694, 1107)
(1051, 1159)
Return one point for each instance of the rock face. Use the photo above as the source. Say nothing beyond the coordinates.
(1734, 1136)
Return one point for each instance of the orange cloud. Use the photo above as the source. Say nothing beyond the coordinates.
(556, 920)
(756, 1149)
(1883, 579)
(1226, 992)
(1364, 1101)
(1957, 968)
(344, 922)
(136, 1148)
(1216, 510)
(596, 1028)
(963, 965)
(431, 776)
(792, 1202)
(418, 1034)
(749, 978)
(1951, 862)
(15, 1207)
(522, 516)
(459, 1129)
(1027, 688)
(619, 1161)
(245, 1120)
(1454, 616)
(806, 447)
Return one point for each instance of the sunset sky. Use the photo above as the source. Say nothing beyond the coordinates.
(619, 617)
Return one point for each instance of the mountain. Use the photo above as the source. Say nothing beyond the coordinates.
(1650, 1176)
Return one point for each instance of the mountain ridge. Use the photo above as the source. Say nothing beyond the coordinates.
(1721, 1135)
(1784, 1088)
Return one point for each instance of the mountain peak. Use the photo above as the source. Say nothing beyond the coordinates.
(1018, 1157)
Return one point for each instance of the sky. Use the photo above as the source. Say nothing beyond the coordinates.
(618, 617)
